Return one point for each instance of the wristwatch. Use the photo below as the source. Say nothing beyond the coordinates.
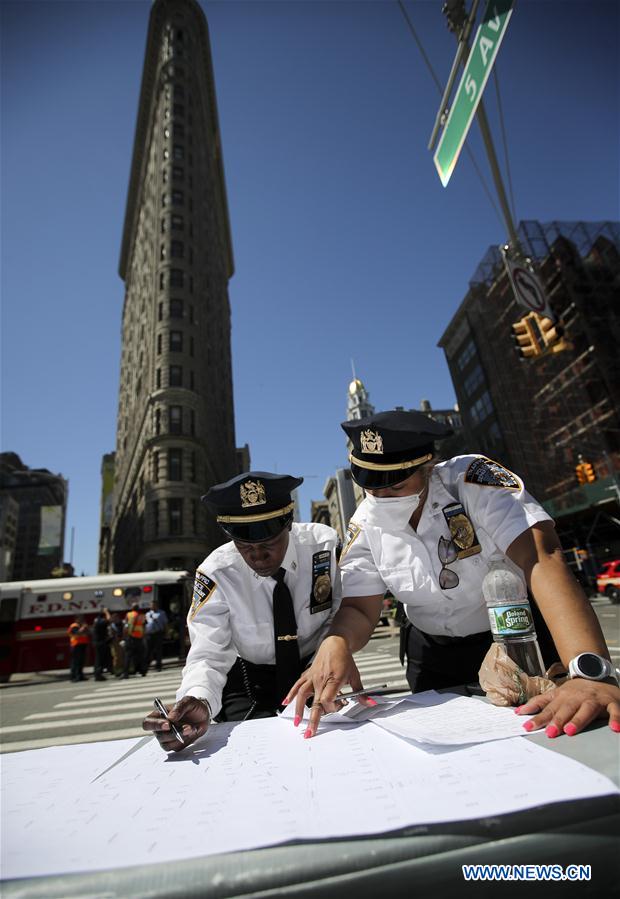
(591, 666)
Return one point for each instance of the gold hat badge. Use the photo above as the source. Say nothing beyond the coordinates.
(252, 494)
(371, 442)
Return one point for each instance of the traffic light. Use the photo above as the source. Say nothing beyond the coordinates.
(585, 473)
(553, 336)
(588, 470)
(527, 336)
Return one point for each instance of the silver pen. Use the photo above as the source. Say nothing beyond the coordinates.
(342, 696)
(161, 708)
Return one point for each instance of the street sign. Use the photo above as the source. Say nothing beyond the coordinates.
(527, 288)
(469, 92)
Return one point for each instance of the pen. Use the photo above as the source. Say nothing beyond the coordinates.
(162, 709)
(341, 696)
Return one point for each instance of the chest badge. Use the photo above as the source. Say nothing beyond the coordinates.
(321, 593)
(461, 530)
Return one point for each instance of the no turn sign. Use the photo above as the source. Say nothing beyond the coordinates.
(527, 288)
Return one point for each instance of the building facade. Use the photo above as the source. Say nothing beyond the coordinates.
(33, 509)
(542, 417)
(175, 428)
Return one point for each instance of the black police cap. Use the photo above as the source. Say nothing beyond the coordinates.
(253, 506)
(389, 446)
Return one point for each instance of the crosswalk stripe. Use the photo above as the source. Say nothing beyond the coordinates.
(138, 705)
(95, 737)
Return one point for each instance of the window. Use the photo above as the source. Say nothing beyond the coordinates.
(481, 408)
(194, 516)
(467, 353)
(179, 92)
(175, 376)
(155, 508)
(179, 110)
(191, 346)
(474, 380)
(176, 342)
(157, 421)
(155, 467)
(178, 173)
(159, 344)
(177, 279)
(175, 419)
(192, 466)
(176, 308)
(177, 198)
(178, 152)
(158, 378)
(178, 129)
(191, 380)
(175, 516)
(177, 222)
(175, 464)
(162, 280)
(192, 422)
(177, 249)
(160, 311)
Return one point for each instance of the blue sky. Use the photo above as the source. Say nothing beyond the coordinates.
(346, 245)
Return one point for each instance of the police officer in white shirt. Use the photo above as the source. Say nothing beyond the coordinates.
(426, 531)
(262, 603)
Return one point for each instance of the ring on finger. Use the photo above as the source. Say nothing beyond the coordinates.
(317, 705)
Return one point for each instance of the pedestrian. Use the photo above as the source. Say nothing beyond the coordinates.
(427, 531)
(79, 638)
(261, 605)
(135, 650)
(156, 623)
(117, 644)
(101, 637)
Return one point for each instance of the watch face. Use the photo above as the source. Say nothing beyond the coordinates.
(590, 664)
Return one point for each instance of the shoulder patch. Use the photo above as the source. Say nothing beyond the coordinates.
(487, 473)
(203, 589)
(353, 532)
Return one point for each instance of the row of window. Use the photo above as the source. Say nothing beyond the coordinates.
(175, 378)
(175, 343)
(177, 419)
(174, 465)
(176, 309)
(177, 251)
(176, 278)
(466, 354)
(473, 380)
(172, 509)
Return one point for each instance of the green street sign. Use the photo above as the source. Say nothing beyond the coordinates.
(469, 92)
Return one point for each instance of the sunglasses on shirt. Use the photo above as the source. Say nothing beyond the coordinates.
(448, 552)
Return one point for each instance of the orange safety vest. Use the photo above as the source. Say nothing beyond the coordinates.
(135, 625)
(75, 638)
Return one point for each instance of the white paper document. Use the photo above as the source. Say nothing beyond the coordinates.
(257, 784)
(445, 719)
(353, 712)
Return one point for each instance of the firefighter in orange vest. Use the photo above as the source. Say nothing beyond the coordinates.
(79, 638)
(134, 645)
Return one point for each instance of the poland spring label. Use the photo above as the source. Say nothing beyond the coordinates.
(513, 620)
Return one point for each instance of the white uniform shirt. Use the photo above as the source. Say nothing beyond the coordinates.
(232, 611)
(406, 562)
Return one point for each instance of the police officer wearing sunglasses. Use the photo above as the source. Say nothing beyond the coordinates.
(426, 531)
(262, 603)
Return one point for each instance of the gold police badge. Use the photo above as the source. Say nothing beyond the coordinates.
(322, 587)
(252, 494)
(371, 442)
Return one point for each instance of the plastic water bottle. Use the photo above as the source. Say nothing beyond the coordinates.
(510, 615)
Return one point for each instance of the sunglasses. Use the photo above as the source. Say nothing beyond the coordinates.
(447, 551)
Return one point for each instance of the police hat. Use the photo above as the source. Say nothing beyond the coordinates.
(390, 446)
(254, 506)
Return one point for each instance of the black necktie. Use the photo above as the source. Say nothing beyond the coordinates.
(288, 667)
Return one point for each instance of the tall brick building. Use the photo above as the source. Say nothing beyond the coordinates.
(175, 430)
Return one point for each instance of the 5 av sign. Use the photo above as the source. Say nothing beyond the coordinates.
(469, 92)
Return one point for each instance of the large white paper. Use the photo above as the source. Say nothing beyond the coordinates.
(257, 784)
(444, 719)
